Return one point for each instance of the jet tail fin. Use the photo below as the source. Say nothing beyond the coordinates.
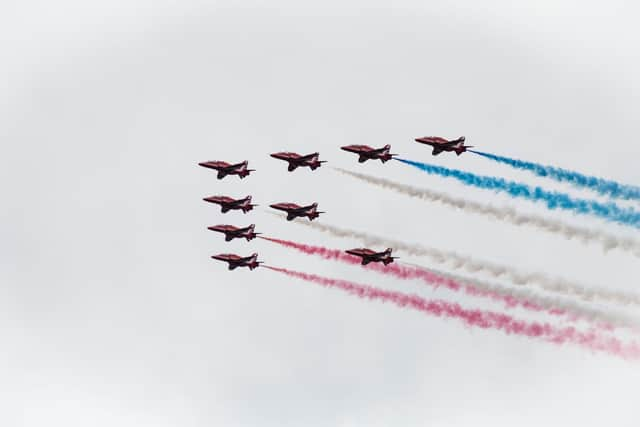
(462, 149)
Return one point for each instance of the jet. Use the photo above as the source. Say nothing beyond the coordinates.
(294, 211)
(225, 168)
(236, 261)
(368, 255)
(440, 144)
(228, 203)
(231, 232)
(368, 153)
(296, 160)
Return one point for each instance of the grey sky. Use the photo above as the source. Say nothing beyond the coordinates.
(111, 311)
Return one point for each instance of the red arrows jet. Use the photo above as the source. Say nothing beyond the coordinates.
(225, 168)
(368, 153)
(368, 255)
(294, 211)
(236, 261)
(440, 144)
(295, 160)
(227, 203)
(231, 232)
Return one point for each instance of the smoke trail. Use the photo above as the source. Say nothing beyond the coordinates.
(575, 311)
(602, 186)
(467, 263)
(478, 318)
(553, 199)
(606, 240)
(470, 287)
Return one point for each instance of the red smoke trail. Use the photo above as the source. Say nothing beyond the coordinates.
(480, 318)
(407, 272)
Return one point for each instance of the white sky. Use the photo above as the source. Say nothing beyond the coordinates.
(112, 313)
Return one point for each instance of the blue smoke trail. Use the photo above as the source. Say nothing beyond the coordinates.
(553, 200)
(602, 186)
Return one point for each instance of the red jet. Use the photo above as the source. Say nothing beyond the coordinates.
(227, 203)
(296, 160)
(225, 168)
(236, 261)
(231, 232)
(293, 211)
(368, 153)
(368, 255)
(440, 144)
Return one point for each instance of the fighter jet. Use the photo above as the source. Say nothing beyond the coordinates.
(225, 168)
(296, 160)
(294, 211)
(368, 255)
(228, 203)
(231, 232)
(440, 144)
(236, 261)
(368, 153)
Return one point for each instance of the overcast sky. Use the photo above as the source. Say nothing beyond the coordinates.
(112, 312)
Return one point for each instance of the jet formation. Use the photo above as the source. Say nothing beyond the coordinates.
(293, 210)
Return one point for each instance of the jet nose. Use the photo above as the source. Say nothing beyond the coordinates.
(208, 199)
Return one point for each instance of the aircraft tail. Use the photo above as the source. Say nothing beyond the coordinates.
(244, 171)
(316, 164)
(461, 149)
(254, 263)
(251, 234)
(313, 214)
(247, 206)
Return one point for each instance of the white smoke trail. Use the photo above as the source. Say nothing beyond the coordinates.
(463, 262)
(606, 240)
(583, 313)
